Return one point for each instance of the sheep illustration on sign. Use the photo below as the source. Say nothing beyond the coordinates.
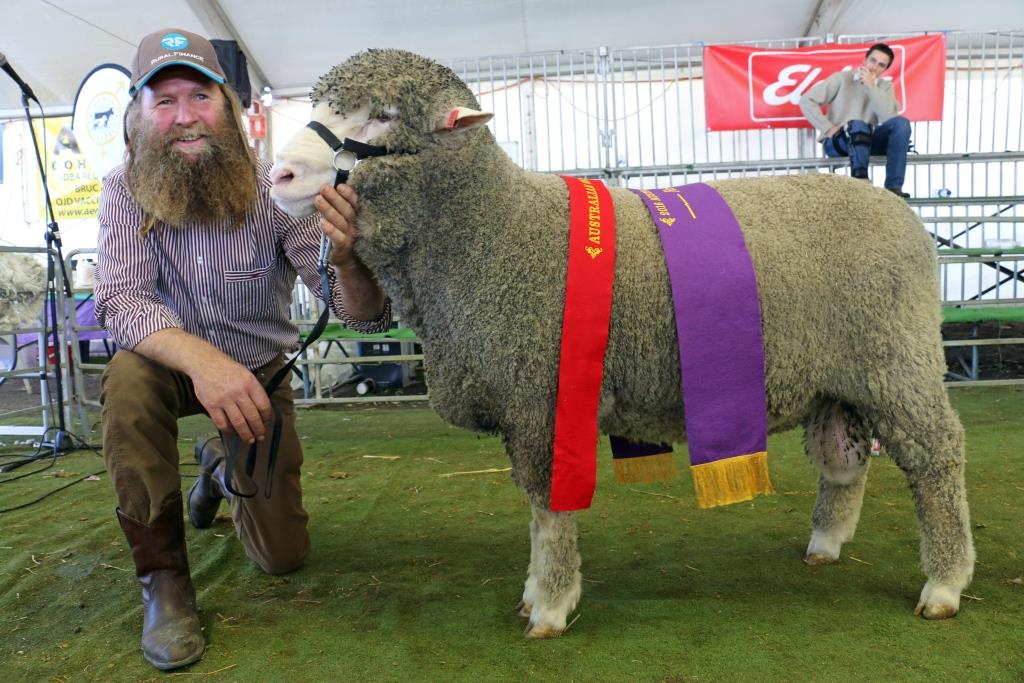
(472, 251)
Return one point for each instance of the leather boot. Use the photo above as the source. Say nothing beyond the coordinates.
(205, 495)
(171, 634)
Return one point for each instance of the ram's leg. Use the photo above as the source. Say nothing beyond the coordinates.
(922, 433)
(838, 445)
(554, 582)
(525, 606)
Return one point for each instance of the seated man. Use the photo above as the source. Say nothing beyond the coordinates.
(194, 278)
(861, 118)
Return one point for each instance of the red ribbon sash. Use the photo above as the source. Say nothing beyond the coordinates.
(588, 309)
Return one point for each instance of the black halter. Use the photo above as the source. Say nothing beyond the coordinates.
(360, 149)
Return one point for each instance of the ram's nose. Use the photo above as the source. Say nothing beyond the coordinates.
(282, 173)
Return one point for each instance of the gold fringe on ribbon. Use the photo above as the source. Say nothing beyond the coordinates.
(645, 469)
(731, 480)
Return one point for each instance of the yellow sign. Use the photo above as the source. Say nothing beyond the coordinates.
(74, 187)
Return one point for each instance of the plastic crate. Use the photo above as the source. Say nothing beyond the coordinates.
(392, 375)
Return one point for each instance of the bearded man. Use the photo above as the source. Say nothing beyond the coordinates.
(193, 281)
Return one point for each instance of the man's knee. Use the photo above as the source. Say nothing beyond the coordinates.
(859, 132)
(283, 558)
(899, 124)
(121, 366)
(275, 537)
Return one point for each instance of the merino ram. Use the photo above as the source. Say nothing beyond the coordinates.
(472, 251)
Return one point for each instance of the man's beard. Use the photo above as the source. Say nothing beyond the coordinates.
(219, 183)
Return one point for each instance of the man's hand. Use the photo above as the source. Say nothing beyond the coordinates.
(867, 77)
(361, 296)
(832, 131)
(231, 394)
(338, 207)
(233, 397)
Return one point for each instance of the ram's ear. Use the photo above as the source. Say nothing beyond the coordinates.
(463, 117)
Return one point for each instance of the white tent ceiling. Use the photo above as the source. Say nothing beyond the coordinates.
(53, 44)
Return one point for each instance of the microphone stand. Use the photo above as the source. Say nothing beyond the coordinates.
(61, 440)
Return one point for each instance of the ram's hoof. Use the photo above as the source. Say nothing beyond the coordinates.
(524, 609)
(938, 600)
(538, 632)
(935, 611)
(817, 559)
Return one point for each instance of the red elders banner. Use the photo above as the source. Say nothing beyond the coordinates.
(752, 87)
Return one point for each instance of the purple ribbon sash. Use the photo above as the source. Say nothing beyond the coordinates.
(721, 352)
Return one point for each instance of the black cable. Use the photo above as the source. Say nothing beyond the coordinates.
(34, 457)
(7, 468)
(39, 454)
(82, 446)
(47, 495)
(56, 453)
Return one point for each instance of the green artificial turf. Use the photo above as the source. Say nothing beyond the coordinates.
(414, 576)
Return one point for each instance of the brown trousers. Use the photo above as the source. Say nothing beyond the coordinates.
(142, 401)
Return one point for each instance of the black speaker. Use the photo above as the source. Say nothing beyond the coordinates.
(232, 60)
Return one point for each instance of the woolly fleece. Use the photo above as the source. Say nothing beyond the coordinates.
(472, 250)
(22, 289)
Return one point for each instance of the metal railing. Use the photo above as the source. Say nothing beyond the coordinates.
(304, 311)
(624, 111)
(995, 296)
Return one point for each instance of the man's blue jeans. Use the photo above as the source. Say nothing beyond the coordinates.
(891, 138)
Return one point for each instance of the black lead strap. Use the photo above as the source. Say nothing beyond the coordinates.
(270, 387)
(361, 150)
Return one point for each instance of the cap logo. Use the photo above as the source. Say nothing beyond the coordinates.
(174, 41)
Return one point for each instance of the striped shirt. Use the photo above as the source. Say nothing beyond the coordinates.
(231, 287)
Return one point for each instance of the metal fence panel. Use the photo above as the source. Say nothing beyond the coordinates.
(623, 112)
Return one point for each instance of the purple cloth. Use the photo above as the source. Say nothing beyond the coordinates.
(624, 448)
(85, 314)
(718, 321)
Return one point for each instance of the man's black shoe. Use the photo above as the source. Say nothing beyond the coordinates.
(205, 495)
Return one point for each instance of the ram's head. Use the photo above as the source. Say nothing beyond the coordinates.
(390, 98)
